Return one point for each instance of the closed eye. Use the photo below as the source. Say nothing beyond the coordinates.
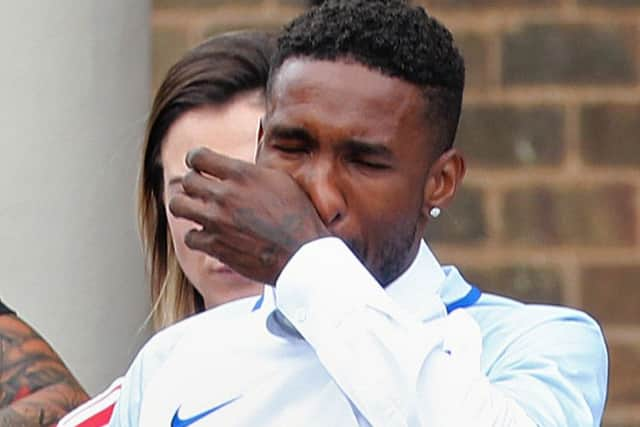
(379, 166)
(371, 164)
(368, 156)
(290, 149)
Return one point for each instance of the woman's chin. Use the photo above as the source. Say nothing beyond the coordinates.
(223, 276)
(222, 288)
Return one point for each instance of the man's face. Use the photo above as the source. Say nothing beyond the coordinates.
(356, 142)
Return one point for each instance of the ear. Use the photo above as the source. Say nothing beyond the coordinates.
(445, 176)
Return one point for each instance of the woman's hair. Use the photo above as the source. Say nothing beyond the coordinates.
(212, 73)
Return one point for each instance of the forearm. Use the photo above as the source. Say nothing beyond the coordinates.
(371, 347)
(43, 408)
(9, 417)
(36, 388)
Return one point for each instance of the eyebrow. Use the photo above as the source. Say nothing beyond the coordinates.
(296, 133)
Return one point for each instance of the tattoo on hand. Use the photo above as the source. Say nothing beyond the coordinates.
(282, 234)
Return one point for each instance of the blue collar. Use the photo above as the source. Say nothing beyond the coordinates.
(456, 292)
(415, 288)
(259, 301)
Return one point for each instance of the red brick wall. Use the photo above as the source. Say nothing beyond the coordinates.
(550, 211)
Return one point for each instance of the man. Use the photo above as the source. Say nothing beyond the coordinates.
(355, 158)
(36, 389)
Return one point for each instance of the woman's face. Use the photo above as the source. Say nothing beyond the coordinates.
(229, 129)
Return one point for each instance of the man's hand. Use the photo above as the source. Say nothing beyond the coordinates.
(253, 219)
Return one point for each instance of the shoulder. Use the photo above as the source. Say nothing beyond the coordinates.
(214, 323)
(176, 349)
(160, 346)
(508, 324)
(508, 318)
(505, 322)
(147, 363)
(545, 348)
(164, 340)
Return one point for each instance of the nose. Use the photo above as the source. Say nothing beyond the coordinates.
(321, 183)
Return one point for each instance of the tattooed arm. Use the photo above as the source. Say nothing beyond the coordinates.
(36, 389)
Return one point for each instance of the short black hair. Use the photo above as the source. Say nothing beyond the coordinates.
(389, 36)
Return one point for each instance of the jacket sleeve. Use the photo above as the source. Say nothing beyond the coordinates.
(397, 370)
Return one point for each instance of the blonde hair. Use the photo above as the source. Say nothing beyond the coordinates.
(210, 74)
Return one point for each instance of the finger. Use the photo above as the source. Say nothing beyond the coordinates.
(215, 246)
(207, 241)
(196, 185)
(217, 165)
(196, 210)
(203, 241)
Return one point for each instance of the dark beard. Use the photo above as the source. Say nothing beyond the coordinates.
(391, 260)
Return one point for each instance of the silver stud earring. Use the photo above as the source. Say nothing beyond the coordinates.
(435, 212)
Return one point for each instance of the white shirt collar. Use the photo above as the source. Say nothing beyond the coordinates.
(416, 287)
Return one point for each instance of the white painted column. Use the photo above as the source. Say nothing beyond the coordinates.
(74, 94)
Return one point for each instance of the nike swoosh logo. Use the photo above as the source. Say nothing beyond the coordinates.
(177, 422)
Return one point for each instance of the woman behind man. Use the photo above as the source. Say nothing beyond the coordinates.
(213, 97)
